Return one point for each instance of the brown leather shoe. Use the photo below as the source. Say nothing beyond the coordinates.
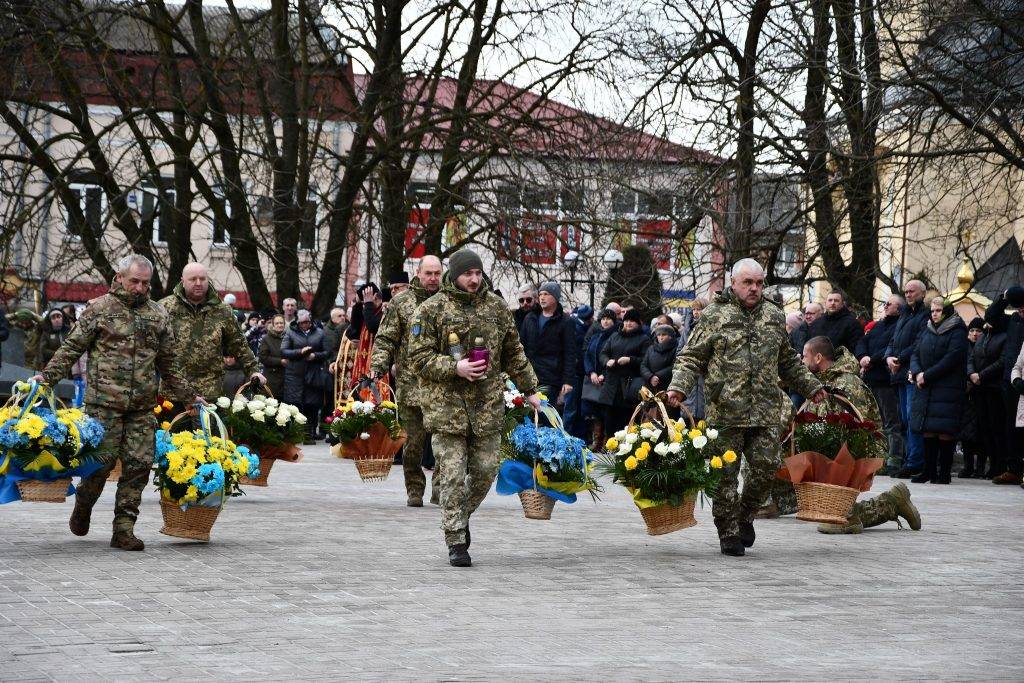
(125, 540)
(80, 516)
(1007, 478)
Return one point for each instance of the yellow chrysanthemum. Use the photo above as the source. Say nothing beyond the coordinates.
(729, 457)
(611, 444)
(716, 463)
(693, 434)
(388, 404)
(631, 463)
(31, 425)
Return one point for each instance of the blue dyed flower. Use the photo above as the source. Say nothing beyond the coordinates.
(209, 478)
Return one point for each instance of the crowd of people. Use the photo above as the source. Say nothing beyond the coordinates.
(934, 381)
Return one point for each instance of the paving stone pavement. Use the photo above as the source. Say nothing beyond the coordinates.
(323, 577)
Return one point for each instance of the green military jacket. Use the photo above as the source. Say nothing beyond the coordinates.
(452, 404)
(742, 354)
(129, 340)
(203, 335)
(844, 375)
(391, 345)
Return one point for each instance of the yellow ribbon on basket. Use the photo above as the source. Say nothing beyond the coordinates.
(44, 459)
(566, 487)
(641, 502)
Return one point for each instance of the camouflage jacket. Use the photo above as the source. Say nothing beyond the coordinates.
(128, 341)
(451, 404)
(204, 334)
(391, 345)
(742, 354)
(844, 375)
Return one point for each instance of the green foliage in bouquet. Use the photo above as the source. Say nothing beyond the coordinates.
(354, 419)
(262, 421)
(827, 433)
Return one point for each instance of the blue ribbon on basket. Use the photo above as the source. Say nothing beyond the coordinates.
(515, 476)
(9, 481)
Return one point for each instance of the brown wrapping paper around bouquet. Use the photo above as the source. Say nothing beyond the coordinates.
(843, 470)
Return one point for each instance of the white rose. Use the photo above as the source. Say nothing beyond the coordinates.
(237, 406)
(294, 410)
(223, 402)
(712, 434)
(656, 434)
(700, 442)
(271, 402)
(675, 447)
(621, 434)
(257, 416)
(624, 449)
(282, 419)
(256, 404)
(269, 411)
(301, 419)
(661, 448)
(364, 436)
(630, 438)
(645, 433)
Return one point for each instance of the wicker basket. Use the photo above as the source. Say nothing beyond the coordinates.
(266, 464)
(115, 473)
(374, 469)
(665, 518)
(824, 502)
(374, 456)
(35, 491)
(536, 505)
(193, 523)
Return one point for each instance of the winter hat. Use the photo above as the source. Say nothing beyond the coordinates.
(608, 313)
(976, 324)
(552, 288)
(462, 261)
(1015, 296)
(634, 315)
(584, 312)
(399, 278)
(665, 329)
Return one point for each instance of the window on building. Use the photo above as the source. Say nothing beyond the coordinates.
(158, 196)
(221, 234)
(419, 195)
(308, 227)
(91, 202)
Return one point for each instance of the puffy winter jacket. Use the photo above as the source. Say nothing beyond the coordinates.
(904, 338)
(619, 378)
(986, 358)
(941, 354)
(551, 349)
(658, 362)
(873, 344)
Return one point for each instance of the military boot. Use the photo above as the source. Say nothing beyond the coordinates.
(853, 526)
(732, 545)
(80, 516)
(747, 535)
(125, 540)
(414, 501)
(458, 555)
(900, 496)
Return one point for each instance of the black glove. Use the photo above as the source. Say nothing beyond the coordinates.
(1018, 384)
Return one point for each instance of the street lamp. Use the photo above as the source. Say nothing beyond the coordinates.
(572, 260)
(613, 258)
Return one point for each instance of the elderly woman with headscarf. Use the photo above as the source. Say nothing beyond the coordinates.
(305, 376)
(938, 368)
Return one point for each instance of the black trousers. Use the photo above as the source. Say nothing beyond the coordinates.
(1014, 439)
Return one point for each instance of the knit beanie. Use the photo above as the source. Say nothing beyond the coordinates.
(634, 315)
(552, 288)
(461, 261)
(976, 324)
(1015, 296)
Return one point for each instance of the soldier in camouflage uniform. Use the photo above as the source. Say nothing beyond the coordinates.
(205, 331)
(838, 370)
(462, 402)
(391, 346)
(129, 339)
(742, 349)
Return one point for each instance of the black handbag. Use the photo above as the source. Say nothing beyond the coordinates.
(317, 376)
(591, 392)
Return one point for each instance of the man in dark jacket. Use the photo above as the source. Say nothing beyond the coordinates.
(527, 301)
(913, 319)
(870, 353)
(1014, 326)
(582, 318)
(799, 335)
(549, 339)
(838, 323)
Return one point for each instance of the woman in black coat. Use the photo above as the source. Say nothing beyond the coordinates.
(985, 372)
(593, 375)
(656, 367)
(304, 376)
(621, 357)
(938, 368)
(270, 356)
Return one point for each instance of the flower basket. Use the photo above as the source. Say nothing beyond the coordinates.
(43, 444)
(194, 522)
(827, 484)
(666, 518)
(824, 502)
(541, 464)
(665, 464)
(267, 427)
(368, 433)
(35, 491)
(536, 505)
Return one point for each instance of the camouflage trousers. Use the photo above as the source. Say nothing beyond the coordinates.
(412, 453)
(780, 492)
(468, 464)
(129, 438)
(874, 511)
(759, 451)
